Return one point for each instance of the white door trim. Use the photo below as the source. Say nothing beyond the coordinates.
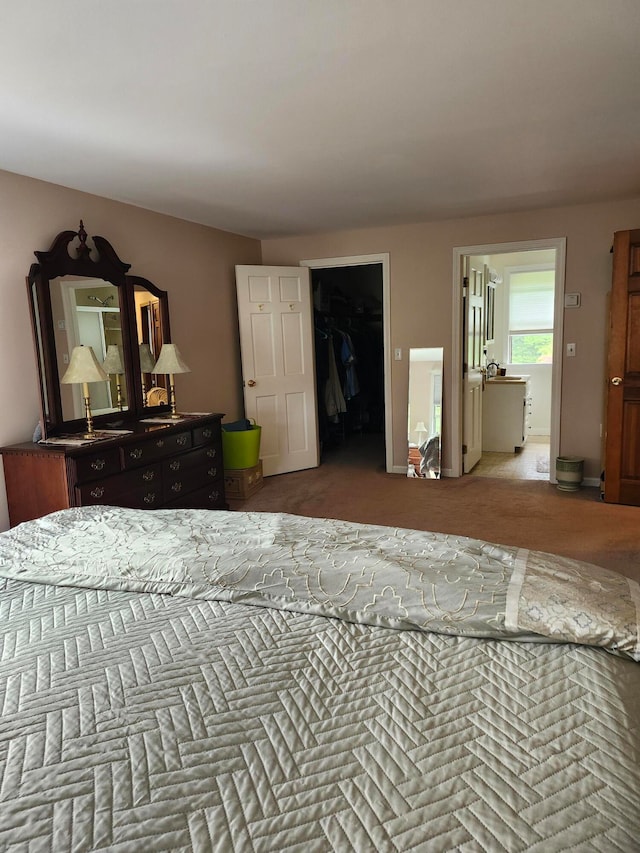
(359, 260)
(454, 432)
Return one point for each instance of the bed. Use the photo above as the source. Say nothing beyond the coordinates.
(192, 680)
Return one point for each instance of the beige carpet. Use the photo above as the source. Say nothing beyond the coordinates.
(352, 484)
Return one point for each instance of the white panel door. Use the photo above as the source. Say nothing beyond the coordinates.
(474, 371)
(277, 350)
(91, 334)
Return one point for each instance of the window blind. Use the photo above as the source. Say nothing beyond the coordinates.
(531, 296)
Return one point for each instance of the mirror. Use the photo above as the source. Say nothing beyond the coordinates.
(152, 330)
(424, 426)
(87, 311)
(82, 300)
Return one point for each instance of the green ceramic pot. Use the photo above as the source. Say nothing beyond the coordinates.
(569, 470)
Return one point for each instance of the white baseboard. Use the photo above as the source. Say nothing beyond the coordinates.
(448, 472)
(591, 481)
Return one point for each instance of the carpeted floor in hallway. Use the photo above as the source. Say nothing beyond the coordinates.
(351, 484)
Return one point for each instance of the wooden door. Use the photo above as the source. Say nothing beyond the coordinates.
(278, 369)
(474, 371)
(622, 438)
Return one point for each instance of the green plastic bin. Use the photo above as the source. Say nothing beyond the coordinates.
(240, 447)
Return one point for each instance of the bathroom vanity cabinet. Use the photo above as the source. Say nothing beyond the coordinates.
(506, 405)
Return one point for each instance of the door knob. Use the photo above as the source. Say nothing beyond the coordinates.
(617, 380)
(251, 383)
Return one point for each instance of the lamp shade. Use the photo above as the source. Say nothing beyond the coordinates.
(113, 361)
(147, 361)
(83, 367)
(170, 361)
(420, 427)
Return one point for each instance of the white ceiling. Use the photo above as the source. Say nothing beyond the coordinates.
(277, 117)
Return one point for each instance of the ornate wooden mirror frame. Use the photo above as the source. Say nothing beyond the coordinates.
(142, 309)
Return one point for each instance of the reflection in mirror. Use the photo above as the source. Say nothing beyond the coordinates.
(151, 336)
(113, 366)
(87, 312)
(425, 412)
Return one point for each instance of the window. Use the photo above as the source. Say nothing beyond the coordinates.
(531, 301)
(436, 404)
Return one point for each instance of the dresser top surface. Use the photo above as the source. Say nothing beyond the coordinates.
(131, 431)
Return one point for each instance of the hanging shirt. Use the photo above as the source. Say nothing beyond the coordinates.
(351, 384)
(333, 397)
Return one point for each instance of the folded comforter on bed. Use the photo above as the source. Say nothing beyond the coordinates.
(207, 680)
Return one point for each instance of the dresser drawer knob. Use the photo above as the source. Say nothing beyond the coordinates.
(213, 496)
(177, 486)
(212, 453)
(98, 492)
(207, 433)
(98, 464)
(181, 440)
(150, 498)
(136, 453)
(160, 442)
(212, 472)
(175, 465)
(148, 476)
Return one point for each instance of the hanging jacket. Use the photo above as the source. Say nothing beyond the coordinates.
(348, 356)
(333, 397)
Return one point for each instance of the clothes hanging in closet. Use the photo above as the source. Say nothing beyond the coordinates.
(353, 400)
(347, 353)
(333, 397)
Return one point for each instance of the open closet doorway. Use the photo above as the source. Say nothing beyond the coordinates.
(351, 322)
(512, 426)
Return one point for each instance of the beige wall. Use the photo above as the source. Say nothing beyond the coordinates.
(421, 264)
(193, 263)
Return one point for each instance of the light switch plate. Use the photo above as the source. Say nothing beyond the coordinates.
(572, 300)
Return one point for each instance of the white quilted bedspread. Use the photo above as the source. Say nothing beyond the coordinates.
(194, 681)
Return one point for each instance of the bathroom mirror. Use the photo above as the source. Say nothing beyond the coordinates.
(424, 425)
(81, 294)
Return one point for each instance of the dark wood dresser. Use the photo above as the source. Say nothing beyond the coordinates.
(176, 465)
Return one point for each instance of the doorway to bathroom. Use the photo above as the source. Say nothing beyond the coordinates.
(507, 425)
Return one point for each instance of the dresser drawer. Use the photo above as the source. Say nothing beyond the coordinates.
(208, 458)
(98, 465)
(189, 471)
(209, 497)
(154, 448)
(119, 489)
(206, 434)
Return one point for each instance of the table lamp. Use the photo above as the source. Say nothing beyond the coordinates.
(421, 429)
(83, 369)
(170, 362)
(113, 366)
